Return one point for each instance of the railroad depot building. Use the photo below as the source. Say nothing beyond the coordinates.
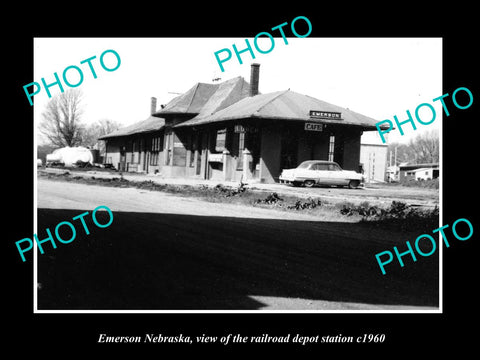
(229, 131)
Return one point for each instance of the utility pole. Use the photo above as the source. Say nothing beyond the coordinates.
(396, 164)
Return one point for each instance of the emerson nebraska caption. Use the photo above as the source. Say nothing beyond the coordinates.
(239, 339)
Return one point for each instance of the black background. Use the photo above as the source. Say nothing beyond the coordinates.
(408, 334)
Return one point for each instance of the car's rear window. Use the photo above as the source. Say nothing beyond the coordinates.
(323, 167)
(304, 165)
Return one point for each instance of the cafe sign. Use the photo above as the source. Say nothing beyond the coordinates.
(313, 127)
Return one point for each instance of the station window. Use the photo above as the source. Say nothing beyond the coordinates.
(331, 148)
(179, 155)
(194, 148)
(155, 148)
(241, 147)
(168, 149)
(135, 155)
(221, 140)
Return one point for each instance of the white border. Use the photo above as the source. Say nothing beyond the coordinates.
(180, 312)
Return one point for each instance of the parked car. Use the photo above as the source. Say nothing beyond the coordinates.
(321, 172)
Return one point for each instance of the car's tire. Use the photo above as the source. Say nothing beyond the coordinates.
(309, 183)
(353, 184)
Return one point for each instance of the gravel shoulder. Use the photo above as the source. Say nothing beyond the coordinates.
(376, 194)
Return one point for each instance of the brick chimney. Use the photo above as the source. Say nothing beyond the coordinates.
(153, 106)
(254, 77)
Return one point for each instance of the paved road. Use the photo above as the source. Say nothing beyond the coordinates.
(167, 252)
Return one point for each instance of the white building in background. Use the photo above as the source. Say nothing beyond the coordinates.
(426, 173)
(393, 173)
(373, 157)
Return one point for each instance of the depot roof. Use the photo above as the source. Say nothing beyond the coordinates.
(230, 100)
(282, 105)
(152, 123)
(204, 99)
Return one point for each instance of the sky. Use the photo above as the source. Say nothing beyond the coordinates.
(377, 77)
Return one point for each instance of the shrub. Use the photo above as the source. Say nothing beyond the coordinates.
(364, 209)
(399, 214)
(271, 199)
(228, 191)
(308, 204)
(274, 199)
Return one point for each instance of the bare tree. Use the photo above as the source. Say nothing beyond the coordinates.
(426, 147)
(95, 130)
(402, 153)
(61, 119)
(423, 148)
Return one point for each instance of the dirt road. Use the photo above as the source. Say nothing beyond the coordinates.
(174, 253)
(377, 194)
(61, 195)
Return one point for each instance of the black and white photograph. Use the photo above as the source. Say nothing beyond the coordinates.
(267, 186)
(298, 180)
